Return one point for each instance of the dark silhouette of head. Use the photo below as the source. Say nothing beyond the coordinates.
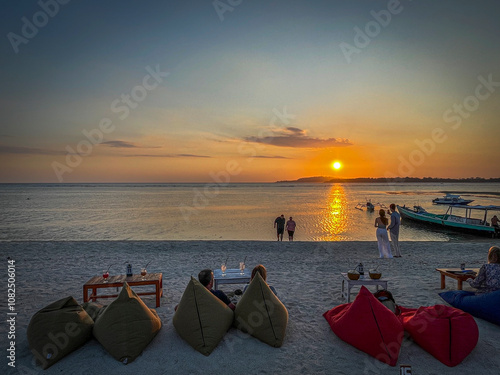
(205, 277)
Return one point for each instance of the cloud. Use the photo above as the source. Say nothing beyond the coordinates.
(295, 137)
(28, 151)
(166, 156)
(270, 157)
(120, 144)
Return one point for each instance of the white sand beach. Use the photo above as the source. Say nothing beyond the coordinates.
(305, 274)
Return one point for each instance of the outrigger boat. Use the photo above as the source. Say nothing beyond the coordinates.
(369, 206)
(452, 199)
(464, 223)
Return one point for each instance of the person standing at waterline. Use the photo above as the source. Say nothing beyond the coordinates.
(384, 247)
(393, 228)
(290, 227)
(279, 224)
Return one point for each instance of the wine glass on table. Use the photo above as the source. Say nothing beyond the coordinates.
(105, 275)
(242, 268)
(143, 273)
(223, 269)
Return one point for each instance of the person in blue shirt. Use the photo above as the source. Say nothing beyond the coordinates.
(206, 278)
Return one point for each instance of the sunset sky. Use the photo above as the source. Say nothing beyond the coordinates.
(248, 91)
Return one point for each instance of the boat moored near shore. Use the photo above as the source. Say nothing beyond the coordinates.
(463, 223)
(452, 199)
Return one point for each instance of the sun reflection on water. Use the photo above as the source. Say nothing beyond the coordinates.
(335, 219)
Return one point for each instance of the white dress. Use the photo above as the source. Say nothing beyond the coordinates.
(384, 246)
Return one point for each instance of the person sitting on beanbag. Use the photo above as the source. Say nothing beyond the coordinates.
(488, 278)
(263, 272)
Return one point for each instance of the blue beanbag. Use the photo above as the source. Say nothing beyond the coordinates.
(485, 306)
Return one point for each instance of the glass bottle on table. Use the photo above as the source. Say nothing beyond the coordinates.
(223, 269)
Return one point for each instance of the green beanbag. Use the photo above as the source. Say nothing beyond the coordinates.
(93, 309)
(126, 326)
(57, 330)
(261, 314)
(202, 319)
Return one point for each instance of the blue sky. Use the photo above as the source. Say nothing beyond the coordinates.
(228, 78)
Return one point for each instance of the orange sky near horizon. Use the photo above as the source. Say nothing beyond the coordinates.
(267, 93)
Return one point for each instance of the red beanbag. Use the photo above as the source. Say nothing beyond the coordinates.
(369, 326)
(449, 334)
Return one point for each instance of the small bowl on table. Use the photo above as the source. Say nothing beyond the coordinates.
(375, 275)
(353, 276)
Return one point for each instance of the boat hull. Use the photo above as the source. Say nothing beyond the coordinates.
(455, 223)
(453, 203)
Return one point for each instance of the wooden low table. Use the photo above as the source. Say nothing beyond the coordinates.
(97, 282)
(345, 292)
(460, 277)
(232, 276)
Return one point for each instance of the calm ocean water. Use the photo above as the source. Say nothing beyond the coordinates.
(323, 212)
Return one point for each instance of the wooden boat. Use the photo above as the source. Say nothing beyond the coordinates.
(452, 199)
(369, 206)
(462, 223)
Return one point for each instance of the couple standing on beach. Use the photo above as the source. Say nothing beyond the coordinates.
(279, 224)
(381, 222)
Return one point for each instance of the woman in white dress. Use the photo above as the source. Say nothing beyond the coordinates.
(384, 247)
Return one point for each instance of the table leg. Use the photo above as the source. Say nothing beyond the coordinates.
(157, 294)
(442, 282)
(85, 294)
(459, 282)
(94, 293)
(342, 290)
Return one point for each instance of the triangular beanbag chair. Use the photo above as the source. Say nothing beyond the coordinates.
(201, 318)
(369, 326)
(93, 309)
(447, 333)
(126, 326)
(57, 330)
(261, 314)
(485, 306)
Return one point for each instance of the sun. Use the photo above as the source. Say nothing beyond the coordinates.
(336, 165)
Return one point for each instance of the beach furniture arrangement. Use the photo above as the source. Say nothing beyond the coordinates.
(457, 274)
(261, 314)
(348, 284)
(98, 282)
(447, 333)
(232, 276)
(124, 328)
(57, 330)
(485, 306)
(202, 319)
(369, 326)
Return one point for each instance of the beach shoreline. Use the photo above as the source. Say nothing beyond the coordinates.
(306, 275)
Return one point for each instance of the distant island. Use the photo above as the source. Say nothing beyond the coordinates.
(323, 179)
